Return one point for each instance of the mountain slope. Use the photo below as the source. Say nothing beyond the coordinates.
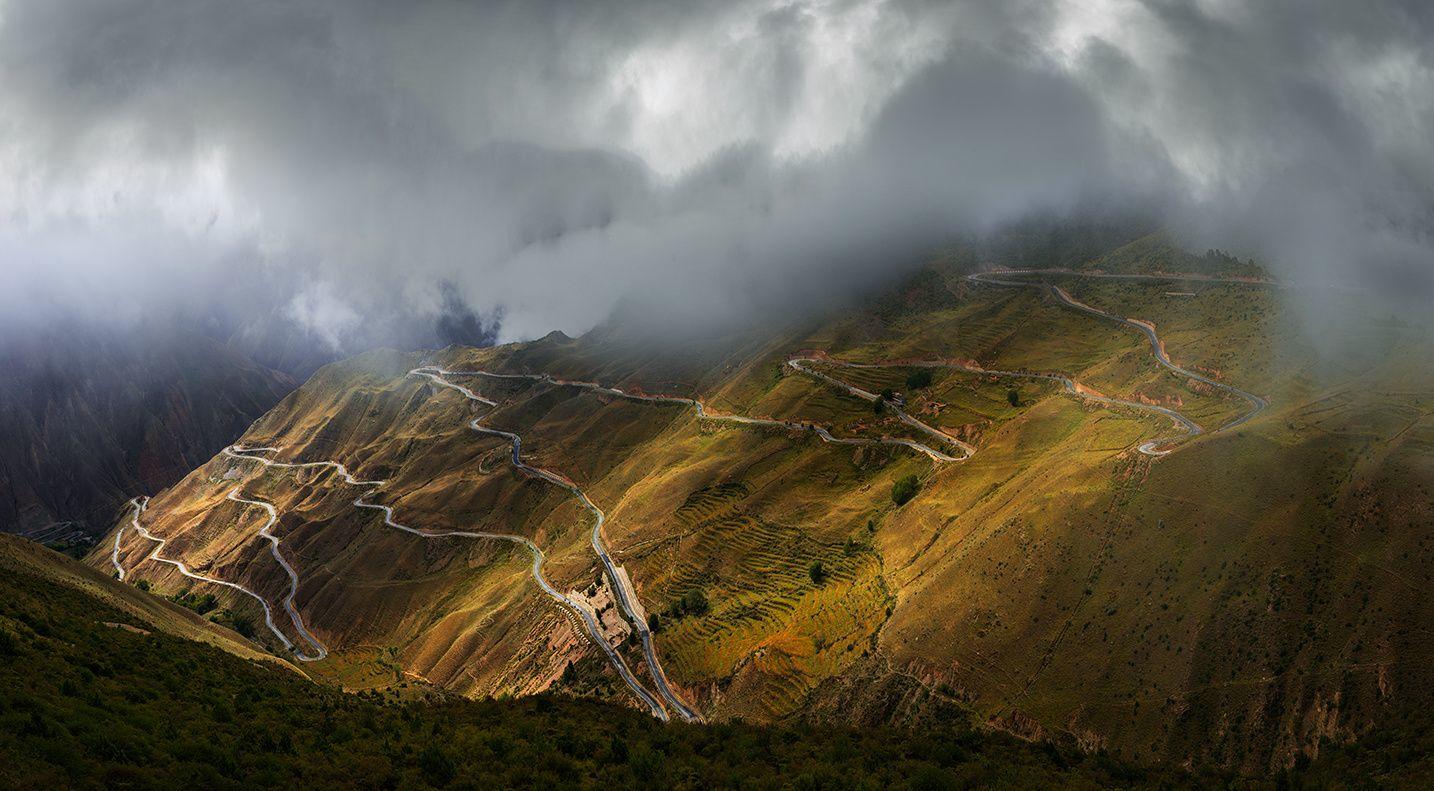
(91, 417)
(1241, 596)
(20, 558)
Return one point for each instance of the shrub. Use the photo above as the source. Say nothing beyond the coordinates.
(1014, 396)
(438, 769)
(817, 572)
(918, 379)
(694, 603)
(904, 489)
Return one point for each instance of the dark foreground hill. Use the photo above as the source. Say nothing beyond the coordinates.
(98, 690)
(97, 694)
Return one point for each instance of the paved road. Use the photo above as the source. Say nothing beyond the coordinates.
(967, 451)
(1068, 383)
(319, 651)
(585, 614)
(625, 597)
(704, 412)
(139, 504)
(1157, 347)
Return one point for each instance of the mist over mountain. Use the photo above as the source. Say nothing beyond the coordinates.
(818, 393)
(91, 417)
(359, 169)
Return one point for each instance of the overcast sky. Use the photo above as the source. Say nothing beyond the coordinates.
(340, 163)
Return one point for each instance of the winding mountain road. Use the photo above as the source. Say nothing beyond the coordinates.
(139, 504)
(251, 454)
(704, 412)
(620, 583)
(1069, 384)
(1157, 346)
(622, 586)
(319, 650)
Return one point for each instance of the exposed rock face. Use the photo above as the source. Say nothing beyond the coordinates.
(89, 418)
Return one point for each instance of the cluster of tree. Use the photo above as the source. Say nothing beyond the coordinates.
(200, 603)
(233, 620)
(76, 546)
(904, 489)
(206, 604)
(918, 379)
(693, 602)
(817, 572)
(882, 399)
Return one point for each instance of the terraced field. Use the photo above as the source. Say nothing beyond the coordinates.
(767, 609)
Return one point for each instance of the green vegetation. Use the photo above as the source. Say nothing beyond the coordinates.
(235, 621)
(817, 572)
(200, 603)
(87, 705)
(694, 603)
(918, 379)
(1013, 397)
(206, 604)
(75, 546)
(904, 489)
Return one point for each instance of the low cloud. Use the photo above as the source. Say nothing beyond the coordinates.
(378, 173)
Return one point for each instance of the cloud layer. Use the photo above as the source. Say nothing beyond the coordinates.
(368, 170)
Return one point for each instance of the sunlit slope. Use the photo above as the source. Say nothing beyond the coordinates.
(1244, 597)
(1240, 600)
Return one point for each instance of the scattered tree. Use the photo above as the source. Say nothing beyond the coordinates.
(239, 623)
(654, 623)
(879, 406)
(904, 489)
(1014, 396)
(817, 572)
(887, 394)
(693, 603)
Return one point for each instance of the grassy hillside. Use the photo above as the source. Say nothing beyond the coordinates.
(1248, 600)
(94, 695)
(21, 558)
